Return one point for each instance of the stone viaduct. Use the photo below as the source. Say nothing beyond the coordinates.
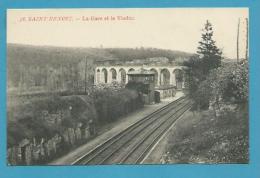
(164, 75)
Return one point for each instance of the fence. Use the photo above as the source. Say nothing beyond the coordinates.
(28, 152)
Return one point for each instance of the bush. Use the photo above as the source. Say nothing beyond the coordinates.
(26, 121)
(227, 84)
(110, 105)
(138, 86)
(103, 106)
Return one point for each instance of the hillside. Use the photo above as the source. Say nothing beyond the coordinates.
(59, 68)
(56, 55)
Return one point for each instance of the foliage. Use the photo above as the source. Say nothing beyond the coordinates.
(209, 53)
(143, 53)
(202, 96)
(228, 84)
(240, 80)
(200, 67)
(138, 86)
(194, 73)
(29, 127)
(179, 75)
(26, 121)
(111, 105)
(198, 139)
(102, 106)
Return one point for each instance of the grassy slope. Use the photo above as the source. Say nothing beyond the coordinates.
(201, 138)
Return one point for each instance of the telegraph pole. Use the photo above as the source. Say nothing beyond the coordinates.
(238, 40)
(86, 65)
(246, 57)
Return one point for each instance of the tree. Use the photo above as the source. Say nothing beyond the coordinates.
(199, 67)
(208, 52)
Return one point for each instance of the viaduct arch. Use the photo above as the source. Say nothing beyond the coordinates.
(164, 75)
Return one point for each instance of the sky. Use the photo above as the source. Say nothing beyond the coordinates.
(167, 28)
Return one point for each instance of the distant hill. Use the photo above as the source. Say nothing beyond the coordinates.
(28, 54)
(61, 68)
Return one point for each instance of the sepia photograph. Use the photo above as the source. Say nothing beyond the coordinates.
(127, 86)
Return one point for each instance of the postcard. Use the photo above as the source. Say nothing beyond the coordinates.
(104, 86)
(130, 88)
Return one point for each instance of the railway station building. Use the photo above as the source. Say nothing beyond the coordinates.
(147, 78)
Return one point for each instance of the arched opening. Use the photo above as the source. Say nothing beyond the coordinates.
(98, 76)
(104, 74)
(178, 78)
(113, 74)
(122, 74)
(131, 70)
(165, 77)
(155, 76)
(129, 77)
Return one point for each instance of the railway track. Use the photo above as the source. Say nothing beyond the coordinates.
(132, 144)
